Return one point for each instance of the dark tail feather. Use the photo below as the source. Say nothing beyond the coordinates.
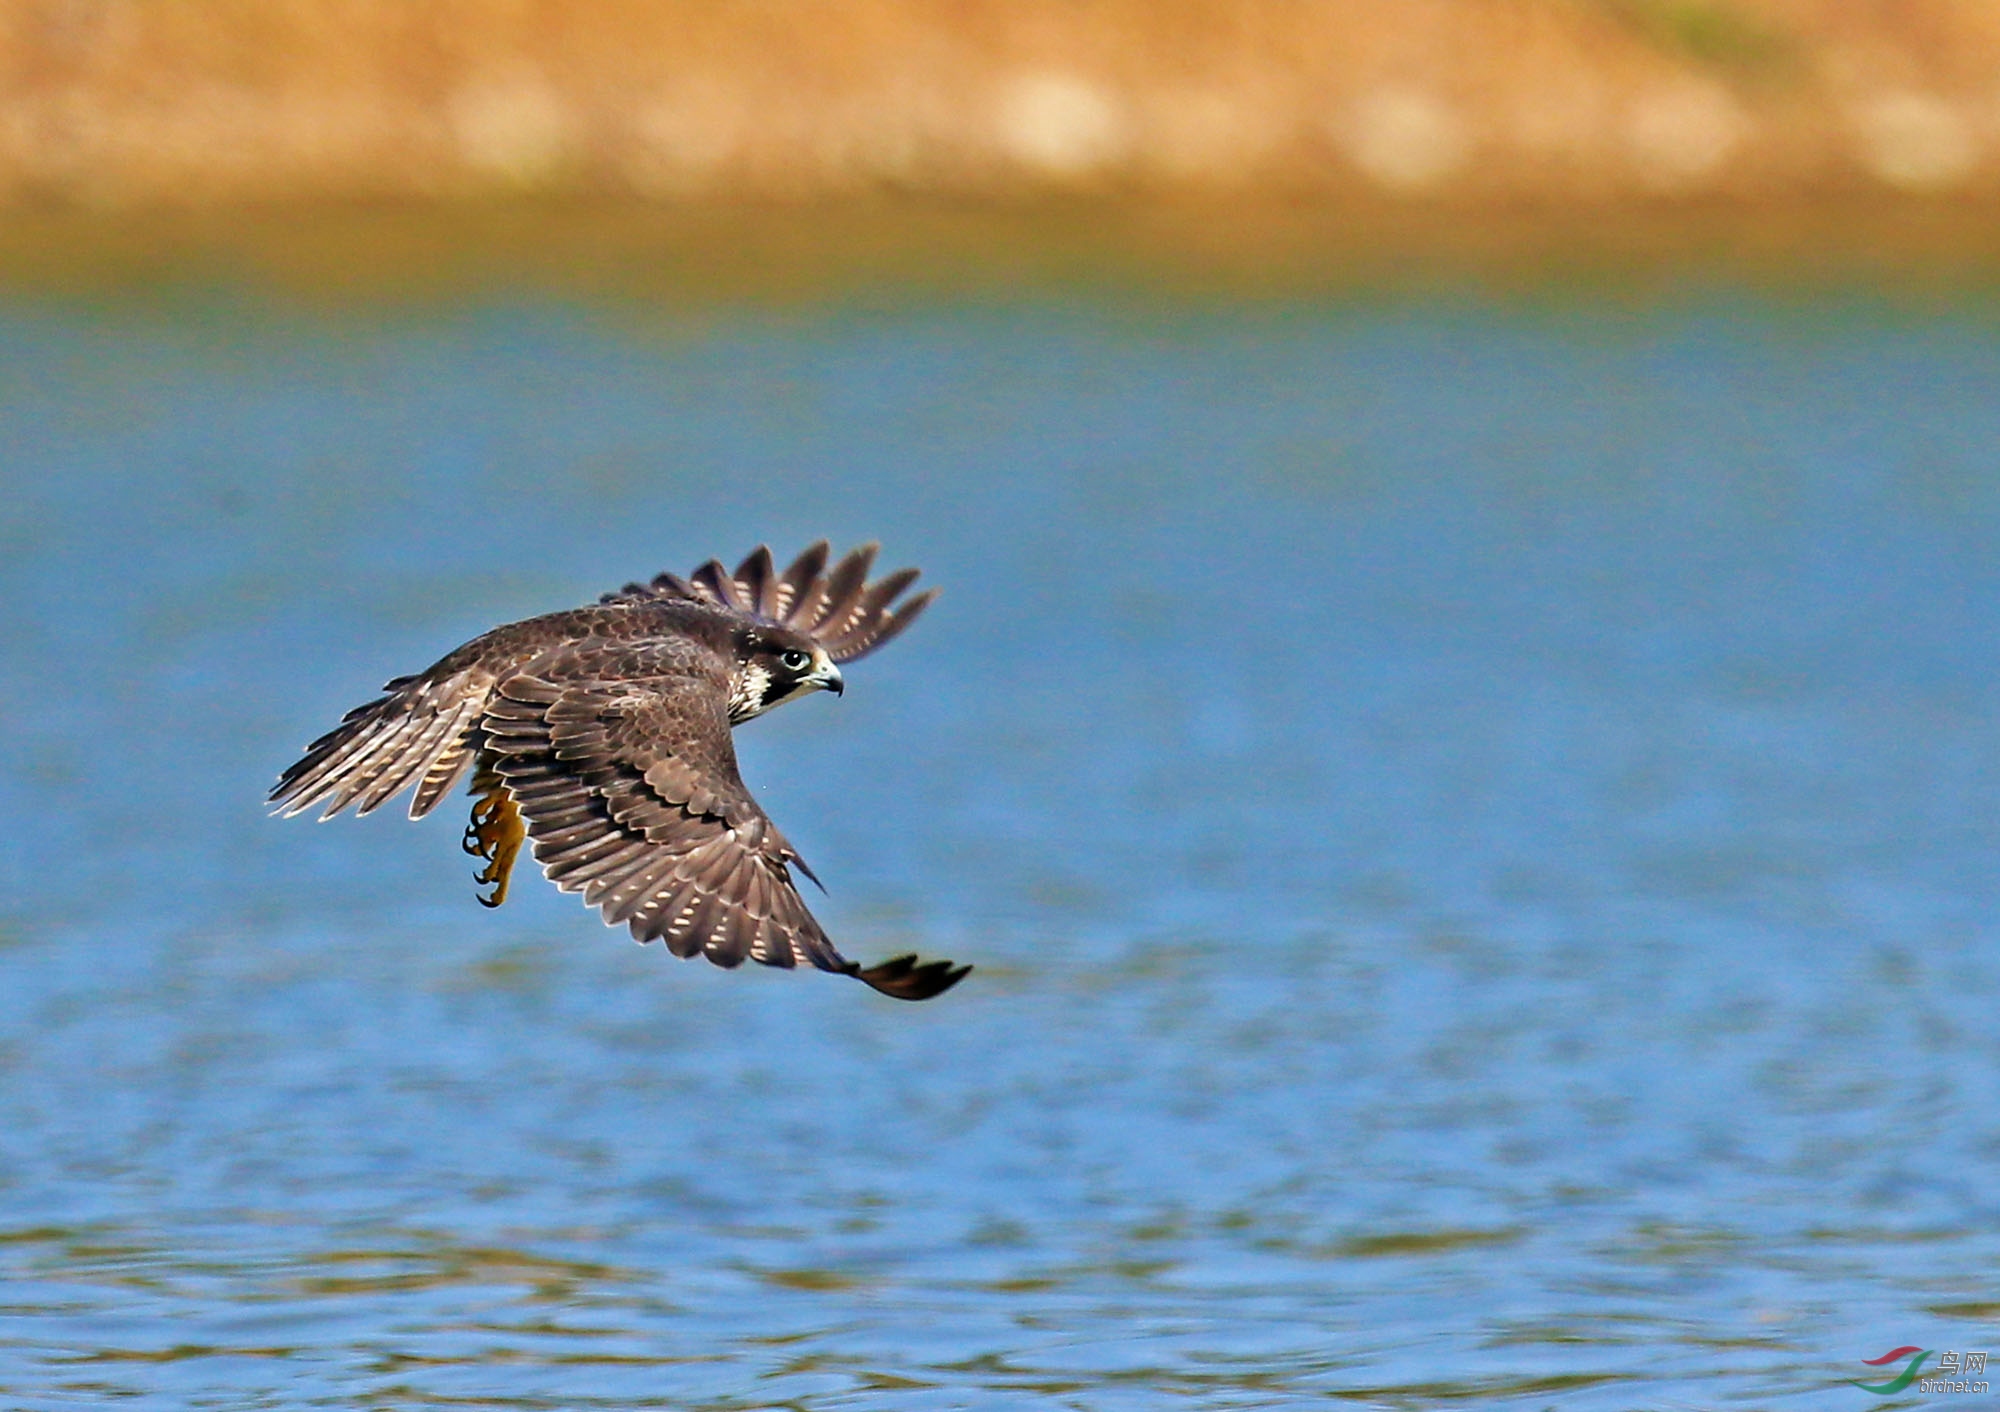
(906, 978)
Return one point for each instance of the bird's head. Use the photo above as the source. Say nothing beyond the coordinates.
(773, 666)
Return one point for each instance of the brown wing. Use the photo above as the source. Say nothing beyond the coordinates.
(419, 732)
(840, 610)
(425, 729)
(632, 797)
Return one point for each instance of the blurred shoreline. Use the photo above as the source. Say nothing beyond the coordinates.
(1939, 255)
(1579, 104)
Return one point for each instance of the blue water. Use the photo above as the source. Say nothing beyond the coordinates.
(1477, 826)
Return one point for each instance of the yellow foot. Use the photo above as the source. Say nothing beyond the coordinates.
(495, 834)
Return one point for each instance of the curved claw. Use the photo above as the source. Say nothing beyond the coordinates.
(495, 834)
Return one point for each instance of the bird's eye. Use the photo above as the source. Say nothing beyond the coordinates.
(795, 660)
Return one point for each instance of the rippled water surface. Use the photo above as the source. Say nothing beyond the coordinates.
(1477, 827)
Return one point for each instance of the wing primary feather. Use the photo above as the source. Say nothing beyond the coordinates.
(719, 935)
(584, 864)
(613, 876)
(357, 744)
(799, 580)
(718, 584)
(560, 836)
(873, 628)
(792, 860)
(852, 633)
(411, 761)
(880, 595)
(757, 579)
(343, 751)
(844, 587)
(894, 624)
(364, 769)
(691, 925)
(638, 893)
(450, 764)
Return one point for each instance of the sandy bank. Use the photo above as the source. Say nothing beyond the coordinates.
(120, 102)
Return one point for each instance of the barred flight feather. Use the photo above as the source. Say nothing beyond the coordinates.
(840, 611)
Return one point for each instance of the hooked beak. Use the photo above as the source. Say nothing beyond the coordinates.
(828, 678)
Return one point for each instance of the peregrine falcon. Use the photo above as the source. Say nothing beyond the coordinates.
(608, 728)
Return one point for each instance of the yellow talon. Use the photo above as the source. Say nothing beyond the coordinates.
(495, 834)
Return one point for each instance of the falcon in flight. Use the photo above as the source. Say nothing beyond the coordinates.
(607, 730)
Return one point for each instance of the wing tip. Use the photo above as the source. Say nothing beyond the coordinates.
(906, 978)
(832, 601)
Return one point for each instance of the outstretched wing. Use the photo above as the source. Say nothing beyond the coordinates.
(840, 609)
(632, 797)
(421, 731)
